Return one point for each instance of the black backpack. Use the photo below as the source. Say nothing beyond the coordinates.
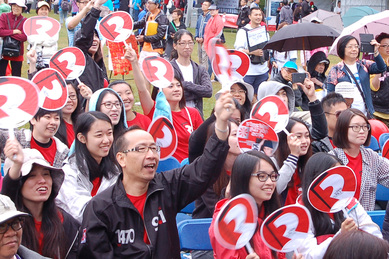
(65, 5)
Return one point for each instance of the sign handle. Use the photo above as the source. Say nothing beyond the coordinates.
(78, 80)
(250, 250)
(286, 131)
(33, 46)
(345, 213)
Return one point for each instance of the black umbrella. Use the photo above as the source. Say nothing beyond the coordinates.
(302, 36)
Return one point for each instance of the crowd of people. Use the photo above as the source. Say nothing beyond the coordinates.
(81, 181)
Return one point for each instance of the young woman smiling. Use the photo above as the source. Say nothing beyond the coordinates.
(185, 119)
(352, 133)
(92, 168)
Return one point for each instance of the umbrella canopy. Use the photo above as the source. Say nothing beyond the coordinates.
(302, 36)
(372, 24)
(354, 14)
(330, 19)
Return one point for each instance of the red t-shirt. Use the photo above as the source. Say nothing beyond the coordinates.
(141, 120)
(355, 163)
(96, 184)
(294, 191)
(139, 203)
(182, 125)
(38, 227)
(48, 152)
(69, 133)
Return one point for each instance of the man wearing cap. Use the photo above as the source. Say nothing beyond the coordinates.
(199, 36)
(11, 230)
(136, 217)
(153, 36)
(258, 71)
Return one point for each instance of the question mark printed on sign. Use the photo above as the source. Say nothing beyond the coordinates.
(122, 33)
(73, 69)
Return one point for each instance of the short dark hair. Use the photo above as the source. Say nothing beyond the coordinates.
(331, 99)
(342, 45)
(209, 1)
(357, 244)
(340, 137)
(121, 142)
(255, 8)
(381, 36)
(42, 112)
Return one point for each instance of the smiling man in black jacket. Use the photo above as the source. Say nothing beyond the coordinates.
(136, 217)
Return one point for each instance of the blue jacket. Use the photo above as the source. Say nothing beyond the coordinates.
(339, 74)
(201, 23)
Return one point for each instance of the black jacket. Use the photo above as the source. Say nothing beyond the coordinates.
(201, 86)
(312, 63)
(113, 228)
(158, 40)
(95, 72)
(380, 98)
(243, 16)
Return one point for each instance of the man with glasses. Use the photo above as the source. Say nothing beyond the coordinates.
(11, 231)
(199, 36)
(195, 78)
(136, 217)
(153, 36)
(380, 83)
(333, 104)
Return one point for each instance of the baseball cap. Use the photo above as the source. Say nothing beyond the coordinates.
(8, 209)
(213, 7)
(18, 3)
(42, 3)
(33, 156)
(291, 65)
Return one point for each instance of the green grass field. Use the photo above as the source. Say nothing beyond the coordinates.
(229, 34)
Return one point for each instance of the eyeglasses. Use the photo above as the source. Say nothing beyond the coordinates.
(262, 176)
(15, 225)
(336, 114)
(73, 97)
(352, 47)
(183, 44)
(384, 46)
(143, 149)
(357, 128)
(240, 91)
(83, 2)
(109, 105)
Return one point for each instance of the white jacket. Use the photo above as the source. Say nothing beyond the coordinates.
(75, 192)
(311, 250)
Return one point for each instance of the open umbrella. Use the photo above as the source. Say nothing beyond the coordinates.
(354, 14)
(372, 24)
(330, 19)
(302, 36)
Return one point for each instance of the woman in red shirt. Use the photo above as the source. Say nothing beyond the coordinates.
(253, 173)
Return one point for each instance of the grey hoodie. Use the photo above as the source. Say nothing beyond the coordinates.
(286, 14)
(272, 87)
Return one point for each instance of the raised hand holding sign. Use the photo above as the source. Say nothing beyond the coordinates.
(18, 102)
(158, 71)
(53, 93)
(116, 26)
(69, 62)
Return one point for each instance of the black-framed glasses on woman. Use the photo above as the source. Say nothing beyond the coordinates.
(357, 128)
(262, 176)
(109, 105)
